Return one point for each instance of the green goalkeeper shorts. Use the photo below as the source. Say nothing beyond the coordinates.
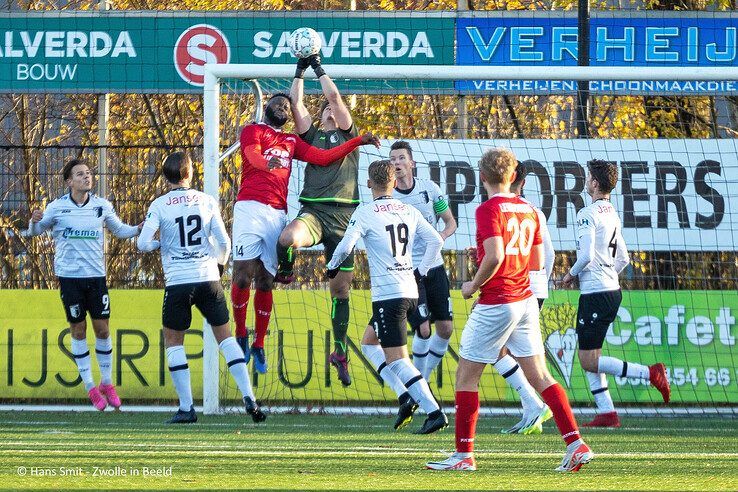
(327, 223)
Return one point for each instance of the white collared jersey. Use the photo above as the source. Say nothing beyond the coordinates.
(192, 236)
(78, 234)
(601, 250)
(390, 229)
(426, 196)
(539, 278)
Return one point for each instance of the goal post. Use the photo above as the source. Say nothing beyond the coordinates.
(214, 143)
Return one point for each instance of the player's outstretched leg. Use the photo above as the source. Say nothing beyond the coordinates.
(606, 414)
(408, 406)
(237, 366)
(285, 262)
(339, 321)
(421, 393)
(655, 374)
(180, 372)
(535, 412)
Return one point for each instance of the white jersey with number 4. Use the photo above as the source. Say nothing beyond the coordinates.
(192, 236)
(601, 250)
(389, 228)
(426, 196)
(78, 234)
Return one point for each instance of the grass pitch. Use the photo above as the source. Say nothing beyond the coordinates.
(103, 451)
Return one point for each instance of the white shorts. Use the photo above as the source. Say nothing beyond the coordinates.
(256, 230)
(493, 326)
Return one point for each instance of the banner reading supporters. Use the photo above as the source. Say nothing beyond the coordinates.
(164, 52)
(633, 38)
(692, 332)
(672, 195)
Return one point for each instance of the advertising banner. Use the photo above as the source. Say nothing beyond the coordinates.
(163, 52)
(616, 39)
(692, 332)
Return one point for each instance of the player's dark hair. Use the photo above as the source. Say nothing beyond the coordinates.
(520, 172)
(381, 172)
(323, 105)
(67, 169)
(605, 173)
(279, 94)
(403, 145)
(176, 167)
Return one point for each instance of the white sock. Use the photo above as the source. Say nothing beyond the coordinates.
(509, 369)
(436, 350)
(598, 386)
(104, 354)
(617, 367)
(180, 372)
(415, 384)
(375, 354)
(81, 354)
(420, 351)
(234, 357)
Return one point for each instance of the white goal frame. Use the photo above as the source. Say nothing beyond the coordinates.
(212, 157)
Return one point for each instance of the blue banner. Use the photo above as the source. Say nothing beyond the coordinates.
(686, 40)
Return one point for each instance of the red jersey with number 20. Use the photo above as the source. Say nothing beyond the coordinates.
(508, 216)
(261, 142)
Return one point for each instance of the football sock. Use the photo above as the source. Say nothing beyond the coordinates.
(340, 322)
(415, 384)
(556, 399)
(617, 367)
(509, 369)
(467, 412)
(233, 356)
(180, 372)
(375, 355)
(420, 350)
(285, 258)
(104, 355)
(240, 301)
(598, 386)
(436, 350)
(263, 302)
(82, 357)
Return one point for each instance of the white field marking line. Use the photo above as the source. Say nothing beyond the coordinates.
(374, 451)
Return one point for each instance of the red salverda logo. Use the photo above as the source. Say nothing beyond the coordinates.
(197, 46)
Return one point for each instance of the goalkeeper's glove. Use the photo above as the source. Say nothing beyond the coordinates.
(302, 65)
(332, 273)
(317, 68)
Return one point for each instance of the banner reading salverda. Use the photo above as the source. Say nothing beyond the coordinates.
(161, 52)
(692, 332)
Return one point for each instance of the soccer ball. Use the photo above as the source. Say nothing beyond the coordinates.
(305, 42)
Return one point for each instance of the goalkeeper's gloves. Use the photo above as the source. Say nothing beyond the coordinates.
(302, 65)
(317, 68)
(332, 273)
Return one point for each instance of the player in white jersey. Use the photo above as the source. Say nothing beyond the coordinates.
(76, 221)
(389, 229)
(194, 248)
(535, 412)
(434, 298)
(601, 256)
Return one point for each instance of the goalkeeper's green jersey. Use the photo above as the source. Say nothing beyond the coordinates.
(338, 182)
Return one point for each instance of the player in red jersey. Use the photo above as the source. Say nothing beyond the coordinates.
(260, 212)
(509, 245)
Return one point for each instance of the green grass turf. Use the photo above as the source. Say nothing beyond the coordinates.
(352, 453)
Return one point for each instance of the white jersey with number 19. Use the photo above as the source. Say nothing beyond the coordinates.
(187, 220)
(389, 228)
(601, 250)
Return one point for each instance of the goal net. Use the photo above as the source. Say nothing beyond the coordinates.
(674, 197)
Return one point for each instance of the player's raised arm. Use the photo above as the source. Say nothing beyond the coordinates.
(146, 241)
(313, 155)
(433, 243)
(41, 221)
(300, 114)
(340, 111)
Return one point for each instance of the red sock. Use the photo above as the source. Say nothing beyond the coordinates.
(467, 411)
(263, 308)
(240, 301)
(556, 399)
